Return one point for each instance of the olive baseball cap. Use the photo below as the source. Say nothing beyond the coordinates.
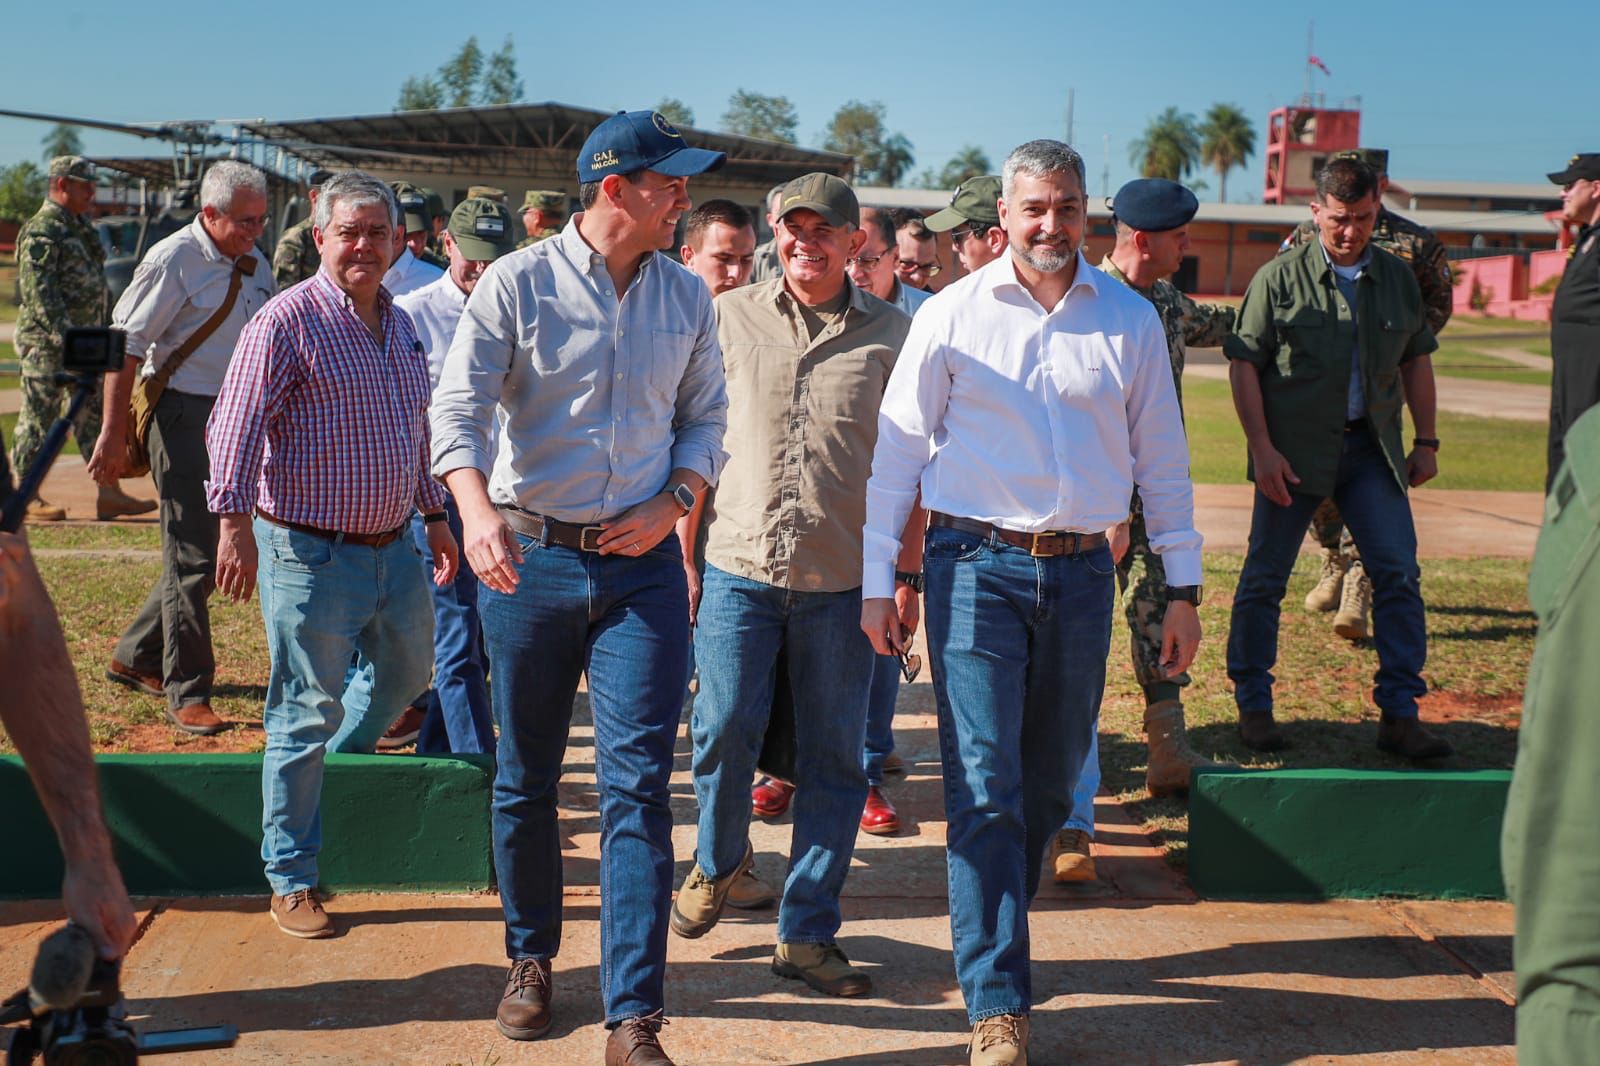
(1376, 158)
(413, 205)
(827, 195)
(631, 141)
(552, 201)
(1585, 166)
(481, 228)
(72, 166)
(975, 200)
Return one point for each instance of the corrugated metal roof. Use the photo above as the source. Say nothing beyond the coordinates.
(1500, 190)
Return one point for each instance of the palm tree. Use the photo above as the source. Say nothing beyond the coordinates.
(1226, 139)
(1170, 147)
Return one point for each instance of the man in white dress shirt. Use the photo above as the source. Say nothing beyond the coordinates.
(1029, 398)
(409, 273)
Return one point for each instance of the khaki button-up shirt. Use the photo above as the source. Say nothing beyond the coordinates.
(802, 424)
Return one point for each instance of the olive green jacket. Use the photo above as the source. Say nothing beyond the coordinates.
(1296, 328)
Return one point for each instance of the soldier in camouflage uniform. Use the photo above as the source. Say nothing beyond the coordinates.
(1343, 582)
(296, 258)
(440, 218)
(418, 221)
(542, 214)
(61, 272)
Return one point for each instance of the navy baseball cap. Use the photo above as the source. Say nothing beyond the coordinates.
(631, 141)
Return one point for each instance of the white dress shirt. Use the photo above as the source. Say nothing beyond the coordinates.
(435, 309)
(409, 273)
(178, 285)
(1032, 419)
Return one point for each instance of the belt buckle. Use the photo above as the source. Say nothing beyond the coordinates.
(1033, 547)
(585, 543)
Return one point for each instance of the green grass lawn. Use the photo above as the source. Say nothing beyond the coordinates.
(1460, 362)
(1479, 453)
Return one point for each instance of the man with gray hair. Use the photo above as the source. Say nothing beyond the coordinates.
(331, 537)
(1048, 389)
(767, 265)
(184, 309)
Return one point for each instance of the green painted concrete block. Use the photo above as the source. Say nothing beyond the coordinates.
(191, 824)
(1318, 834)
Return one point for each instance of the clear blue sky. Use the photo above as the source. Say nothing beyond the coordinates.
(1467, 91)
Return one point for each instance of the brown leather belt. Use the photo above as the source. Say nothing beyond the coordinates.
(367, 540)
(1038, 544)
(550, 531)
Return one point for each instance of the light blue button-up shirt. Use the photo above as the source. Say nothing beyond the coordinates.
(601, 394)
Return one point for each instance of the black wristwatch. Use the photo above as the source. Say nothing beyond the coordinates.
(912, 581)
(1186, 593)
(684, 495)
(1425, 442)
(434, 516)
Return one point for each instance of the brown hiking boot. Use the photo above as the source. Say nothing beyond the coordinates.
(40, 511)
(1324, 595)
(823, 967)
(138, 680)
(637, 1042)
(300, 914)
(524, 1011)
(1259, 732)
(700, 900)
(112, 502)
(1001, 1040)
(197, 718)
(749, 893)
(1171, 758)
(1407, 738)
(1070, 857)
(403, 730)
(1355, 606)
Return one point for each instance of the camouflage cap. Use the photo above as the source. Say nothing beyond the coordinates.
(550, 201)
(828, 195)
(975, 200)
(481, 228)
(1585, 166)
(1376, 158)
(72, 166)
(413, 205)
(487, 192)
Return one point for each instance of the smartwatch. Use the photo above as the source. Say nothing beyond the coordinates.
(684, 495)
(1186, 593)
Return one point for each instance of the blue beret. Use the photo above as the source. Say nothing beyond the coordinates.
(1154, 204)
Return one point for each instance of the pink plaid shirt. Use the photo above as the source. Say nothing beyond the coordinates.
(315, 424)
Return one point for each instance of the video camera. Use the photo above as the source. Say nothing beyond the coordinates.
(75, 1014)
(87, 353)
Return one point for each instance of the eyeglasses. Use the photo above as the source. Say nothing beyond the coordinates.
(930, 269)
(251, 221)
(866, 262)
(910, 665)
(961, 233)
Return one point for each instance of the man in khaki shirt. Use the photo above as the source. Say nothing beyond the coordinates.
(807, 356)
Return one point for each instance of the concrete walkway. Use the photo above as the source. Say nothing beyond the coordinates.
(1134, 970)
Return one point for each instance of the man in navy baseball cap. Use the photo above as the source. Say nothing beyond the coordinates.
(631, 141)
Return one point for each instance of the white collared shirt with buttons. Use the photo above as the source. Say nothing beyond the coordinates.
(1032, 419)
(408, 273)
(435, 309)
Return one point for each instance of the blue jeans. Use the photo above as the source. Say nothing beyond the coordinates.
(1378, 515)
(458, 717)
(624, 621)
(742, 626)
(1019, 649)
(1083, 793)
(881, 699)
(325, 603)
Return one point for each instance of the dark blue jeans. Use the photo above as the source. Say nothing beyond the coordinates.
(625, 622)
(742, 626)
(1019, 649)
(458, 717)
(881, 699)
(1378, 515)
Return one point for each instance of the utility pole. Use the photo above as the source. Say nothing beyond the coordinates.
(1105, 175)
(1071, 93)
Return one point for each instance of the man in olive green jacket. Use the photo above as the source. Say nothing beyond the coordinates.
(1331, 338)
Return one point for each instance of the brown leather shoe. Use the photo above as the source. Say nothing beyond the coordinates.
(1072, 857)
(197, 718)
(524, 1011)
(40, 511)
(1259, 732)
(878, 815)
(123, 674)
(893, 764)
(1407, 738)
(771, 797)
(403, 730)
(637, 1042)
(112, 502)
(300, 914)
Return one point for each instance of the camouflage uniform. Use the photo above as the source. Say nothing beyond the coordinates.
(1141, 575)
(296, 257)
(434, 258)
(61, 272)
(535, 238)
(1424, 253)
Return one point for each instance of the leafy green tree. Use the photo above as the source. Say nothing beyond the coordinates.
(500, 82)
(1226, 140)
(459, 75)
(675, 111)
(1169, 148)
(420, 93)
(771, 118)
(22, 189)
(858, 130)
(61, 140)
(970, 162)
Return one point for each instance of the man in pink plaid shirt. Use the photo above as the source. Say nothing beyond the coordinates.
(321, 430)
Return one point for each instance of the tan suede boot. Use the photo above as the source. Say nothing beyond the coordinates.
(112, 502)
(1355, 606)
(1324, 595)
(1171, 758)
